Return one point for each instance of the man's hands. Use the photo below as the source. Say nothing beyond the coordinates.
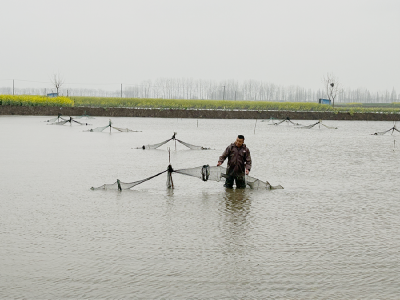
(220, 163)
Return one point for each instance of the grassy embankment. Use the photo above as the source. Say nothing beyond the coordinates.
(26, 100)
(233, 105)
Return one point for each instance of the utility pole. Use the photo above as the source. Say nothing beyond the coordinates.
(223, 98)
(121, 90)
(235, 95)
(13, 87)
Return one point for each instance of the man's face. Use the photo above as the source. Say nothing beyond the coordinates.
(239, 142)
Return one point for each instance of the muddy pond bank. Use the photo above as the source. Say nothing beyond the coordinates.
(194, 114)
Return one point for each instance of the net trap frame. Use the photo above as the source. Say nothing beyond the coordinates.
(205, 173)
(100, 129)
(391, 131)
(173, 138)
(319, 123)
(273, 121)
(59, 120)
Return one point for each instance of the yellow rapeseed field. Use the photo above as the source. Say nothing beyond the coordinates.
(30, 100)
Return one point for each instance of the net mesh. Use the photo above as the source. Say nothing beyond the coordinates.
(124, 129)
(214, 173)
(312, 125)
(53, 120)
(154, 146)
(329, 127)
(308, 126)
(192, 147)
(97, 129)
(276, 123)
(255, 183)
(217, 173)
(293, 123)
(392, 130)
(56, 121)
(118, 185)
(59, 123)
(100, 129)
(287, 120)
(72, 120)
(205, 173)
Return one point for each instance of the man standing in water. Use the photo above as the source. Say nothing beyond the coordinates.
(239, 163)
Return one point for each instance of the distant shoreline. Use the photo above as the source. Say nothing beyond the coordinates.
(194, 113)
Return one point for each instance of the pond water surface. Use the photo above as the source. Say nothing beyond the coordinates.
(333, 232)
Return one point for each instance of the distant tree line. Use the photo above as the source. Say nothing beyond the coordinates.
(211, 90)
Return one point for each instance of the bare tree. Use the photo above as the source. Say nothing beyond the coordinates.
(331, 84)
(57, 81)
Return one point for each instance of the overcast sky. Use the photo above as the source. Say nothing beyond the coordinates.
(286, 42)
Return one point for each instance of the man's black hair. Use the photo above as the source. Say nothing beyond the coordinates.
(241, 137)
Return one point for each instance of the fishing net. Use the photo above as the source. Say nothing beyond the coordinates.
(100, 129)
(287, 120)
(205, 173)
(75, 121)
(312, 125)
(57, 121)
(277, 123)
(293, 123)
(329, 127)
(392, 130)
(190, 146)
(217, 173)
(124, 129)
(154, 146)
(308, 126)
(118, 185)
(255, 183)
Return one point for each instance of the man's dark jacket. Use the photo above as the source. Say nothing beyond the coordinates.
(239, 159)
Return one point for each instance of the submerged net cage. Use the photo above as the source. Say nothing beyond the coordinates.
(154, 146)
(61, 121)
(173, 138)
(319, 123)
(55, 120)
(118, 185)
(273, 121)
(100, 129)
(205, 173)
(391, 131)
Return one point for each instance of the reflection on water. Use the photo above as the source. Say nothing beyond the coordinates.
(237, 208)
(332, 233)
(235, 224)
